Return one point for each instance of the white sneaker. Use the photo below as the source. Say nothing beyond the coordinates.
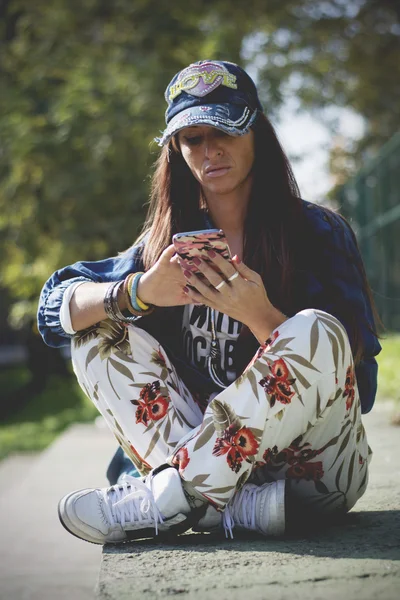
(258, 508)
(132, 509)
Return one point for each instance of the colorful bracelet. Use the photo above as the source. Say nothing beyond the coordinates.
(125, 288)
(141, 304)
(135, 307)
(132, 291)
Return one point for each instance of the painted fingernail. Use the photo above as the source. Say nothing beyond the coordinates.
(237, 260)
(187, 273)
(196, 261)
(211, 253)
(185, 289)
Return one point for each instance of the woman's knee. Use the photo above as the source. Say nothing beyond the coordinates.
(316, 336)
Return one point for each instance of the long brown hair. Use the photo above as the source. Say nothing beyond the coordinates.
(275, 233)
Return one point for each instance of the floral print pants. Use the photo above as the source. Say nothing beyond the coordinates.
(294, 413)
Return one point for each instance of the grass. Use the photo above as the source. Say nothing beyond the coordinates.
(62, 403)
(45, 415)
(389, 371)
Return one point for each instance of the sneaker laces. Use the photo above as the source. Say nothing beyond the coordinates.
(131, 501)
(241, 510)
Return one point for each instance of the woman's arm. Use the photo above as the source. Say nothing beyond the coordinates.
(87, 305)
(162, 285)
(97, 273)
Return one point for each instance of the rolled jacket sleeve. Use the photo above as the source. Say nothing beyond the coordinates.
(65, 312)
(51, 297)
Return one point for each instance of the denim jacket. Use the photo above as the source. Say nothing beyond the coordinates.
(335, 280)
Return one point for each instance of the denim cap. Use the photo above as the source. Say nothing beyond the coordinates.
(210, 92)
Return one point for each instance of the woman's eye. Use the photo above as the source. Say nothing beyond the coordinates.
(193, 141)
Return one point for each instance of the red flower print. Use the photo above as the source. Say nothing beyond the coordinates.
(152, 405)
(308, 471)
(158, 408)
(349, 387)
(142, 413)
(234, 460)
(269, 454)
(307, 454)
(150, 391)
(287, 455)
(246, 442)
(238, 445)
(278, 385)
(181, 459)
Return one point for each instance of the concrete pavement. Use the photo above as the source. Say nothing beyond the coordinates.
(39, 560)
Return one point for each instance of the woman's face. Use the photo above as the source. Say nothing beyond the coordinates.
(220, 162)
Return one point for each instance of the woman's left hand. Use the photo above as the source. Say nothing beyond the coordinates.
(238, 292)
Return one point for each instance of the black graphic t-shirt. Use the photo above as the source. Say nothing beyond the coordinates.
(196, 330)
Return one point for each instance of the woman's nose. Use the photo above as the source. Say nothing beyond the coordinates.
(212, 147)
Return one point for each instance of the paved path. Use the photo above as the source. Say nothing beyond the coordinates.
(39, 560)
(359, 560)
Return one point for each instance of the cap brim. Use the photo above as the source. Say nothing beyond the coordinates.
(234, 119)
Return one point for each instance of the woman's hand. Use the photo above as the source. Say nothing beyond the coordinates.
(239, 293)
(162, 285)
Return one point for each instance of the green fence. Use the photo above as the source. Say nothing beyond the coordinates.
(371, 201)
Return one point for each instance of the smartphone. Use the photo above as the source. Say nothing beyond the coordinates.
(193, 244)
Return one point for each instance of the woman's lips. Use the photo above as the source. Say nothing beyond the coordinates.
(218, 172)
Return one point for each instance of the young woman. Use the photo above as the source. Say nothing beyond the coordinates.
(236, 392)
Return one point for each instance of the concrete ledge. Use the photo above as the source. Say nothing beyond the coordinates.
(358, 559)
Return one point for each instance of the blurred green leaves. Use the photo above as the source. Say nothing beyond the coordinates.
(81, 99)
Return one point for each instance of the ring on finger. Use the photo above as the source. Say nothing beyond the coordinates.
(219, 286)
(232, 277)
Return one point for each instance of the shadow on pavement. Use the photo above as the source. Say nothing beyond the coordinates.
(363, 534)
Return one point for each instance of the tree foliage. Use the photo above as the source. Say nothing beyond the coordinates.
(81, 98)
(341, 53)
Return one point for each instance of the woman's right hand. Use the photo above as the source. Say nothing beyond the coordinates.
(162, 285)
